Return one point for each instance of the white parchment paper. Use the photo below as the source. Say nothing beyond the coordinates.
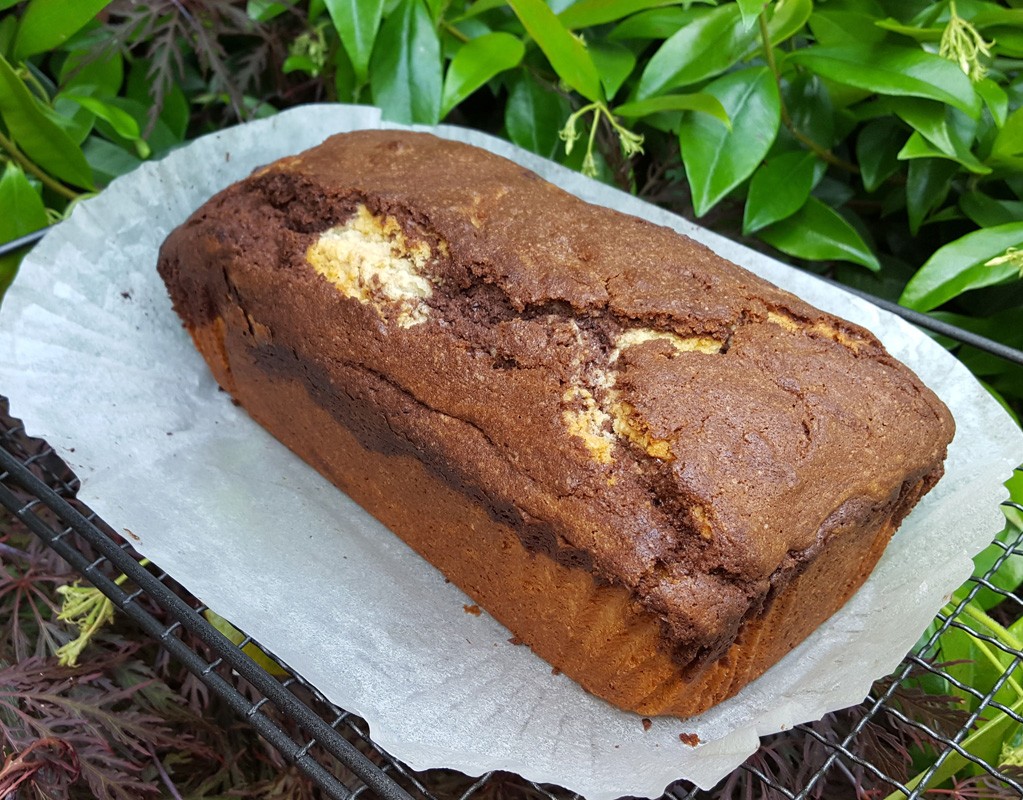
(95, 361)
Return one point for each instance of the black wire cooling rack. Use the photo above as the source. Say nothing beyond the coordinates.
(332, 747)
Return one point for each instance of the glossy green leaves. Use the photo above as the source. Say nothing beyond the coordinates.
(534, 115)
(21, 209)
(941, 132)
(406, 76)
(705, 47)
(586, 13)
(963, 264)
(476, 62)
(819, 233)
(47, 24)
(836, 130)
(892, 70)
(779, 189)
(716, 158)
(566, 53)
(697, 101)
(36, 132)
(357, 23)
(1007, 149)
(21, 213)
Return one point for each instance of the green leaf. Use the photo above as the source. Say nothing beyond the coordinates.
(21, 212)
(252, 650)
(345, 83)
(470, 28)
(614, 62)
(927, 185)
(1007, 150)
(175, 113)
(160, 139)
(960, 266)
(995, 98)
(877, 149)
(265, 10)
(298, 62)
(750, 10)
(478, 7)
(992, 15)
(957, 649)
(708, 45)
(1008, 41)
(121, 121)
(929, 34)
(787, 18)
(357, 23)
(658, 23)
(696, 101)
(892, 70)
(928, 118)
(566, 53)
(21, 208)
(8, 29)
(83, 68)
(819, 233)
(810, 106)
(587, 13)
(38, 136)
(435, 7)
(987, 212)
(405, 77)
(779, 189)
(918, 147)
(920, 12)
(717, 159)
(76, 121)
(47, 24)
(476, 62)
(108, 161)
(1008, 576)
(839, 27)
(947, 129)
(534, 115)
(988, 736)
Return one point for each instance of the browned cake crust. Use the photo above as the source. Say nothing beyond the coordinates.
(657, 470)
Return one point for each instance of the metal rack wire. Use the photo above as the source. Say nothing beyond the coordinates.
(316, 736)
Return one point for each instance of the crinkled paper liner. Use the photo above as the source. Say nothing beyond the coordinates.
(94, 360)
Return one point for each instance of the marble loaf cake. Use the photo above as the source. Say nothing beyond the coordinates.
(657, 470)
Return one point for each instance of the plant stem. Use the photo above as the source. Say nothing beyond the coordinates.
(981, 618)
(120, 579)
(998, 665)
(993, 727)
(29, 77)
(1006, 637)
(821, 152)
(454, 31)
(29, 166)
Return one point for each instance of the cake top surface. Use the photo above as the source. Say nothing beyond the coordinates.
(630, 400)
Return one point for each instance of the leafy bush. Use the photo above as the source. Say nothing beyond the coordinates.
(877, 141)
(880, 141)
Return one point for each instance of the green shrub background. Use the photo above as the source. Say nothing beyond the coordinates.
(879, 142)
